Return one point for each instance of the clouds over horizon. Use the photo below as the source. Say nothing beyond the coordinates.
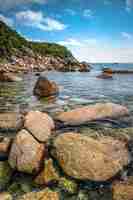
(38, 20)
(93, 30)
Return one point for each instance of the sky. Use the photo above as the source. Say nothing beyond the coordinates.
(94, 30)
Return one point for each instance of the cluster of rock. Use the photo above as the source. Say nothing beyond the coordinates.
(37, 147)
(46, 63)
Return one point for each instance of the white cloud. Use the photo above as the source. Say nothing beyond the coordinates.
(129, 5)
(70, 42)
(74, 42)
(6, 20)
(88, 13)
(126, 35)
(70, 11)
(37, 20)
(93, 50)
(9, 4)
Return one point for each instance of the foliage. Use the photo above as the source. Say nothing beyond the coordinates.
(12, 43)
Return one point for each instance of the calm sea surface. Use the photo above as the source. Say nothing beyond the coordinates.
(75, 89)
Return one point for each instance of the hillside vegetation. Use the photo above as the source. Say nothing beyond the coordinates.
(13, 44)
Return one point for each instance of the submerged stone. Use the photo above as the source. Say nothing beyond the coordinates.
(48, 175)
(123, 190)
(45, 194)
(86, 114)
(5, 174)
(67, 185)
(11, 121)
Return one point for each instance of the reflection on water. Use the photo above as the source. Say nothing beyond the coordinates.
(75, 88)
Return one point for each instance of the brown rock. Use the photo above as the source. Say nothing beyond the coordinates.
(39, 124)
(45, 194)
(45, 88)
(85, 158)
(10, 121)
(5, 196)
(48, 175)
(26, 153)
(123, 190)
(93, 112)
(5, 143)
(105, 76)
(9, 77)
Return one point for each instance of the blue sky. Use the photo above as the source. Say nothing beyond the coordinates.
(95, 31)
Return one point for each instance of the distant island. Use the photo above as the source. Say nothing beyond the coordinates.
(18, 54)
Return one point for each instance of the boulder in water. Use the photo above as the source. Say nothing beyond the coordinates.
(86, 114)
(45, 88)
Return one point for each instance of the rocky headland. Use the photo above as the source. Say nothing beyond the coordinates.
(20, 55)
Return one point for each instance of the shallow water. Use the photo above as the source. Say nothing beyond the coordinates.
(75, 89)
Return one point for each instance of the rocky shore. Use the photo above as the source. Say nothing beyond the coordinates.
(42, 160)
(43, 63)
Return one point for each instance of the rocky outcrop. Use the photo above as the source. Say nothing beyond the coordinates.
(105, 76)
(123, 190)
(26, 153)
(45, 194)
(86, 114)
(44, 63)
(85, 158)
(11, 121)
(45, 88)
(39, 125)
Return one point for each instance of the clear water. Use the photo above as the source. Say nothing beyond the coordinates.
(75, 89)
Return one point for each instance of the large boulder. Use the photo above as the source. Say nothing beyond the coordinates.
(9, 77)
(123, 190)
(26, 153)
(86, 114)
(45, 194)
(10, 121)
(85, 158)
(45, 88)
(39, 125)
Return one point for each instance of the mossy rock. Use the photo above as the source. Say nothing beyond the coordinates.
(20, 188)
(5, 174)
(67, 185)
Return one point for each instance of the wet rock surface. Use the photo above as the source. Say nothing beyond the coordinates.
(10, 121)
(84, 158)
(26, 153)
(45, 194)
(86, 114)
(45, 88)
(123, 190)
(39, 124)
